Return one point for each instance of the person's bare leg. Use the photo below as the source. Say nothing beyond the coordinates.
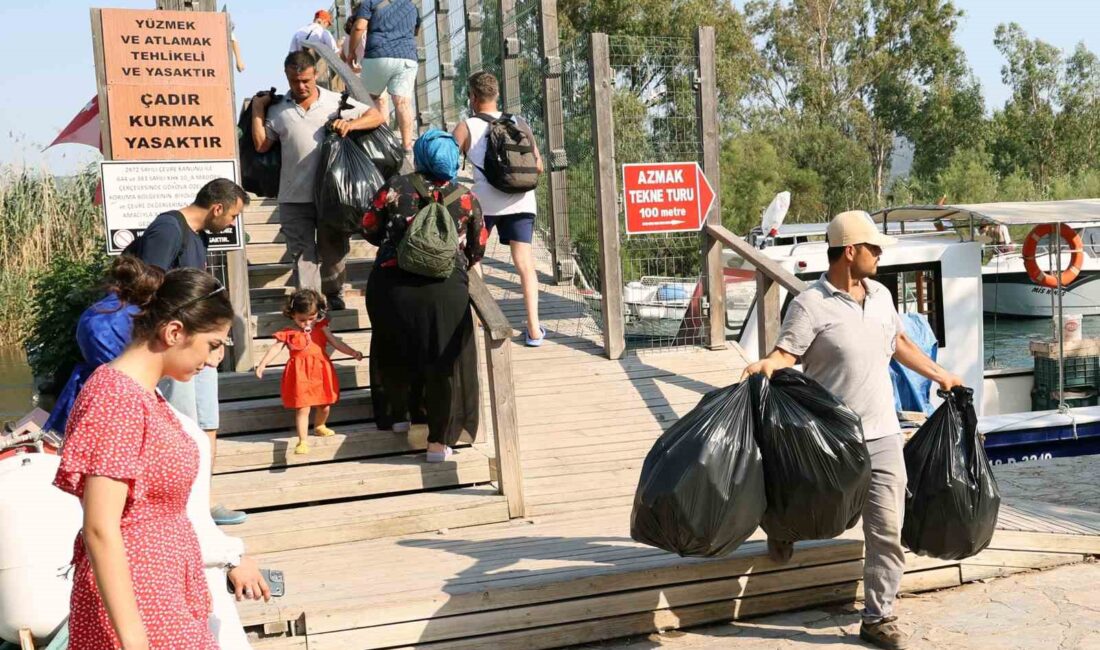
(404, 119)
(382, 103)
(524, 260)
(301, 424)
(320, 417)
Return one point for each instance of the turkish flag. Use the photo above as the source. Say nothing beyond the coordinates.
(84, 129)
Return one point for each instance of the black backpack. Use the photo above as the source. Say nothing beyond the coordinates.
(510, 163)
(136, 248)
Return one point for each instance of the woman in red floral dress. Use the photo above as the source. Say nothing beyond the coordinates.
(138, 578)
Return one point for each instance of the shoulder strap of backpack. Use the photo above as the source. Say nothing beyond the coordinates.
(344, 103)
(421, 187)
(486, 118)
(455, 194)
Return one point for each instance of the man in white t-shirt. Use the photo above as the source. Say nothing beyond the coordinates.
(513, 215)
(317, 31)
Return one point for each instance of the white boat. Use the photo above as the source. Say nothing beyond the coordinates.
(1008, 290)
(653, 307)
(939, 274)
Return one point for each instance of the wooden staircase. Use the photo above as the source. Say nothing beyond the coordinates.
(360, 484)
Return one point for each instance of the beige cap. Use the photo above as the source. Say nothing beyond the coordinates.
(855, 227)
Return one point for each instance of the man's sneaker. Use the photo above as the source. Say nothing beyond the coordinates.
(225, 517)
(884, 634)
(779, 551)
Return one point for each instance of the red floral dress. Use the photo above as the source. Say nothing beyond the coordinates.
(119, 430)
(309, 378)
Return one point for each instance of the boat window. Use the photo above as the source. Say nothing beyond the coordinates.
(918, 289)
(1091, 239)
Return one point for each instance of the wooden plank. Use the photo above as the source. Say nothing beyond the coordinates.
(1084, 521)
(341, 480)
(268, 413)
(505, 423)
(768, 319)
(277, 253)
(236, 270)
(486, 308)
(282, 530)
(663, 570)
(96, 17)
(707, 112)
(607, 197)
(664, 597)
(1045, 542)
(276, 449)
(238, 386)
(278, 275)
(423, 120)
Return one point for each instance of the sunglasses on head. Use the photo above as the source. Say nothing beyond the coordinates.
(195, 301)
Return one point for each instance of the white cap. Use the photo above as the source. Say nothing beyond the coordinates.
(856, 227)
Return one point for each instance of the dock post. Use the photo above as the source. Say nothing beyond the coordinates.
(707, 107)
(474, 18)
(767, 314)
(449, 113)
(423, 121)
(555, 159)
(509, 57)
(607, 195)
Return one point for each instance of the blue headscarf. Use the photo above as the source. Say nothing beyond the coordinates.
(436, 155)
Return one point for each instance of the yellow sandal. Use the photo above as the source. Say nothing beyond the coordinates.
(301, 449)
(323, 431)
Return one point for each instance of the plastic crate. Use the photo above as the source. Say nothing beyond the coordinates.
(1047, 400)
(1079, 372)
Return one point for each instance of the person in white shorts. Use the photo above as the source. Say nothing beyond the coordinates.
(389, 29)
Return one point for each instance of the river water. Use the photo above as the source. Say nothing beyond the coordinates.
(16, 385)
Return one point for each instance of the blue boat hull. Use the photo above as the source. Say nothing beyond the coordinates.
(1006, 447)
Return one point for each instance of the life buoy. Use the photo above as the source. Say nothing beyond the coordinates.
(1076, 260)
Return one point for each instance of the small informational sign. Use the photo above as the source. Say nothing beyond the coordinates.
(135, 192)
(665, 197)
(168, 85)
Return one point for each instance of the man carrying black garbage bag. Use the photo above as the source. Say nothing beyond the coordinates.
(297, 122)
(845, 329)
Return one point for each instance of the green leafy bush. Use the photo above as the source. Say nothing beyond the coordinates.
(59, 295)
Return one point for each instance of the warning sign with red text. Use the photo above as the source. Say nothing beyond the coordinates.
(665, 197)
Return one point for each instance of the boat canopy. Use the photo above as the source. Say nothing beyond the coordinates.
(1024, 213)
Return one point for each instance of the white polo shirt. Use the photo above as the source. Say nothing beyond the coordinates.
(847, 348)
(301, 133)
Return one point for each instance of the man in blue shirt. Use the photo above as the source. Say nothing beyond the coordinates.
(177, 239)
(390, 28)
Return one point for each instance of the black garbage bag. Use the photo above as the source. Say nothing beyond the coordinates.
(347, 180)
(817, 471)
(259, 171)
(952, 501)
(701, 491)
(384, 148)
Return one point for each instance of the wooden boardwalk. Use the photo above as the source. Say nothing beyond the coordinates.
(568, 572)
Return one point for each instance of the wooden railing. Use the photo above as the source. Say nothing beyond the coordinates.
(770, 277)
(502, 394)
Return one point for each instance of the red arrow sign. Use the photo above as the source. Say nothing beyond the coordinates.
(665, 197)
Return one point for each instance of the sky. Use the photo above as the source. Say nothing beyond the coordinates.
(60, 79)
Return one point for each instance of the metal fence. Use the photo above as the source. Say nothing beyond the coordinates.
(654, 99)
(654, 108)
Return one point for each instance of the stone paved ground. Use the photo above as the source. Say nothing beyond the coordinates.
(1056, 609)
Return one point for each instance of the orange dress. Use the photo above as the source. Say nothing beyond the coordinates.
(309, 378)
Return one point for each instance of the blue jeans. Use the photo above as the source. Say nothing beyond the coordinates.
(197, 399)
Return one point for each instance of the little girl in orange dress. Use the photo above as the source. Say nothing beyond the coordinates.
(309, 378)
